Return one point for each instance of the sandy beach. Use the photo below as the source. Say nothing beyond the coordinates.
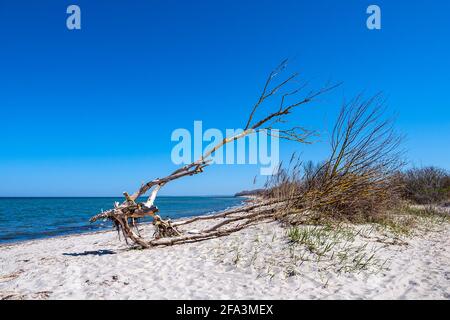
(256, 263)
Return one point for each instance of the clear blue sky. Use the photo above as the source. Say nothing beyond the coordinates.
(90, 112)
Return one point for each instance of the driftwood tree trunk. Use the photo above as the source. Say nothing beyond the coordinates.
(125, 215)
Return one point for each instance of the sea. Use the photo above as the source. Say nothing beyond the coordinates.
(34, 218)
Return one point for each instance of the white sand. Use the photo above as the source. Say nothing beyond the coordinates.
(255, 263)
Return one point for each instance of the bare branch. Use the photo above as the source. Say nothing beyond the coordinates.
(125, 214)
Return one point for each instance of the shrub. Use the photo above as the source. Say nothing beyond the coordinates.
(427, 185)
(358, 180)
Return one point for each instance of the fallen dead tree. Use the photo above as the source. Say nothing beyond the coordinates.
(125, 215)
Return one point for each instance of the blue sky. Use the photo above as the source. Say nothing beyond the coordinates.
(90, 112)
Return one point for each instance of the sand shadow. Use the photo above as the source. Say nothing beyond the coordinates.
(90, 253)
